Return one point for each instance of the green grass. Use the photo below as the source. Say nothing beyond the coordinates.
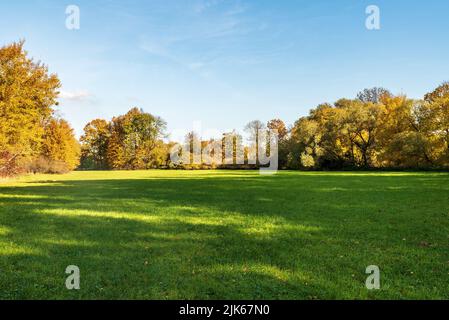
(225, 235)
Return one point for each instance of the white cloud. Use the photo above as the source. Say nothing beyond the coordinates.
(202, 6)
(75, 95)
(196, 65)
(154, 48)
(237, 9)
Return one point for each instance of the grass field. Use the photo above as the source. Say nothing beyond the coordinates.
(225, 235)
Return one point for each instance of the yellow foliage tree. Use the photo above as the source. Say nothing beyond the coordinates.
(60, 145)
(27, 94)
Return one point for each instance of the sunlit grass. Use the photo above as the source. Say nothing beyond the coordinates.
(225, 234)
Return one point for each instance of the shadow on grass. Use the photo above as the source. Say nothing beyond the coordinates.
(226, 237)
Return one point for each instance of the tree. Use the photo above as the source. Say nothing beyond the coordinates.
(134, 136)
(279, 126)
(27, 94)
(320, 137)
(373, 95)
(254, 129)
(60, 146)
(192, 152)
(402, 138)
(436, 118)
(441, 92)
(360, 124)
(308, 133)
(232, 149)
(95, 142)
(334, 136)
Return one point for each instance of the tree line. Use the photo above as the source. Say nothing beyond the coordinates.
(377, 129)
(127, 142)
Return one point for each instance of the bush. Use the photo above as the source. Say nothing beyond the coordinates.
(9, 165)
(45, 165)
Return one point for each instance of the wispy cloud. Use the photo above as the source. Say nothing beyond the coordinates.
(196, 65)
(163, 50)
(217, 27)
(236, 7)
(155, 48)
(214, 29)
(203, 6)
(159, 48)
(75, 95)
(236, 10)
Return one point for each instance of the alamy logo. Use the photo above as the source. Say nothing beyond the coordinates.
(73, 20)
(373, 280)
(73, 280)
(261, 150)
(373, 20)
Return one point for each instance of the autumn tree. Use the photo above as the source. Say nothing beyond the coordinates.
(192, 149)
(439, 93)
(279, 126)
(134, 139)
(360, 125)
(254, 130)
(95, 142)
(27, 94)
(436, 118)
(60, 147)
(305, 149)
(232, 149)
(282, 131)
(374, 95)
(402, 140)
(318, 140)
(332, 136)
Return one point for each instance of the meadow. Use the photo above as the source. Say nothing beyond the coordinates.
(225, 235)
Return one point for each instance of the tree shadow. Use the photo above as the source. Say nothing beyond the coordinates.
(221, 237)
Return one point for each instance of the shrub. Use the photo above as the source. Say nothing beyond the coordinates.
(46, 165)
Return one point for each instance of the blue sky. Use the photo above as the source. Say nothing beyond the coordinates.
(226, 62)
